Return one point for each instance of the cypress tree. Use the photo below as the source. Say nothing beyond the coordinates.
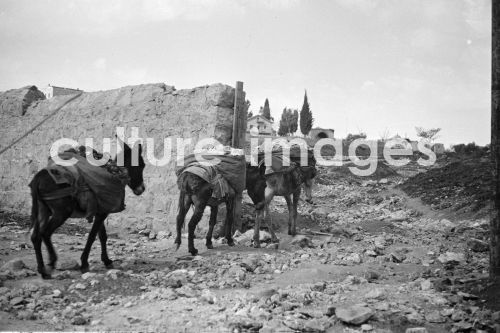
(306, 118)
(266, 111)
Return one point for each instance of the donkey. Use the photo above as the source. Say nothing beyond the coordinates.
(195, 191)
(50, 211)
(287, 184)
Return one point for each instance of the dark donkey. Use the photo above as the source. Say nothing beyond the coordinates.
(198, 192)
(286, 183)
(49, 211)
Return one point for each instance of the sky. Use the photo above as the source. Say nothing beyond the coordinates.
(381, 67)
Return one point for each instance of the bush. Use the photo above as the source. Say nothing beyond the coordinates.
(471, 149)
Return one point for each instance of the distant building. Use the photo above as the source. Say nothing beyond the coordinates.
(438, 148)
(321, 133)
(262, 124)
(51, 91)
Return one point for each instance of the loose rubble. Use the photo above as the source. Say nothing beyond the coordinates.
(365, 260)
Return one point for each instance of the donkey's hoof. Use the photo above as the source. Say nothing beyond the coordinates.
(108, 264)
(210, 246)
(46, 275)
(84, 269)
(193, 252)
(256, 245)
(230, 242)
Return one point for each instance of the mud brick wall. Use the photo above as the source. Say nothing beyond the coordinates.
(158, 110)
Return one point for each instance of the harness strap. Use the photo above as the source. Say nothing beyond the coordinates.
(65, 192)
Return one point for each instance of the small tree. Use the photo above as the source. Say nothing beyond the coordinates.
(351, 137)
(430, 134)
(250, 114)
(294, 121)
(306, 118)
(266, 110)
(286, 122)
(385, 135)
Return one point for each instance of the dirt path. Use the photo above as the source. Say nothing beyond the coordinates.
(397, 262)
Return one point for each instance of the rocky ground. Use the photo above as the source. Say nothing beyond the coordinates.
(368, 258)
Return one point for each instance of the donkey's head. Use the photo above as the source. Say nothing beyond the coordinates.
(134, 163)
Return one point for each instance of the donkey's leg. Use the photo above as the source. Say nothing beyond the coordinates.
(290, 213)
(54, 222)
(296, 198)
(184, 204)
(98, 222)
(256, 228)
(103, 238)
(269, 219)
(268, 196)
(42, 216)
(213, 220)
(228, 227)
(199, 208)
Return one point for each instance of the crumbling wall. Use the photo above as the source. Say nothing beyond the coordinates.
(158, 110)
(15, 102)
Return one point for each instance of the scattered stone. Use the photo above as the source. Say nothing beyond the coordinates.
(353, 257)
(265, 293)
(145, 232)
(426, 285)
(376, 293)
(371, 253)
(186, 291)
(415, 318)
(458, 315)
(477, 245)
(88, 275)
(302, 241)
(366, 328)
(80, 286)
(355, 315)
(396, 258)
(133, 320)
(78, 320)
(435, 317)
(69, 265)
(95, 322)
(448, 257)
(16, 300)
(250, 263)
(163, 234)
(371, 275)
(243, 324)
(26, 315)
(416, 330)
(114, 273)
(13, 265)
(208, 297)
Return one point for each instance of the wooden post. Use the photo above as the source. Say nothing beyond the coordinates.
(495, 143)
(238, 141)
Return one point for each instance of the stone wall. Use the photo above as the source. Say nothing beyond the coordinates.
(158, 110)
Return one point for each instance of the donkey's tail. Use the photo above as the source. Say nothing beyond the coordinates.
(182, 206)
(34, 202)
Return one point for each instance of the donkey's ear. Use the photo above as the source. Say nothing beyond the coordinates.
(140, 149)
